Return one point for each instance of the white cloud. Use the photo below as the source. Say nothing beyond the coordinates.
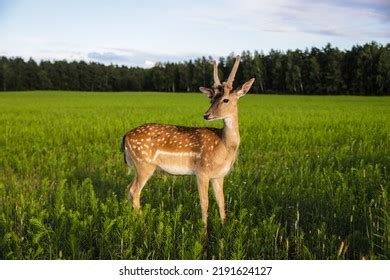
(353, 19)
(133, 57)
(149, 64)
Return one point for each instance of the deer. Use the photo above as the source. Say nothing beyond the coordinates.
(207, 153)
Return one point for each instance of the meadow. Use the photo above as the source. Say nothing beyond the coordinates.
(311, 180)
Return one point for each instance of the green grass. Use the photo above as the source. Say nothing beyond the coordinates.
(311, 180)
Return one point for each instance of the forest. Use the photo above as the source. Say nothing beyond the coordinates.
(361, 70)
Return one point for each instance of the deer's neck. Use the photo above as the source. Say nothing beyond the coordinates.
(231, 133)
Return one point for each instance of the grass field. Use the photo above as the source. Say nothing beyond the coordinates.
(311, 180)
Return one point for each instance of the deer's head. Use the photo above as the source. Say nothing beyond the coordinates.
(222, 95)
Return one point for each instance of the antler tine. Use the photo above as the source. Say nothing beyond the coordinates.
(217, 82)
(233, 72)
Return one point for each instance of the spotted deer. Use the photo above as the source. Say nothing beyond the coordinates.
(207, 153)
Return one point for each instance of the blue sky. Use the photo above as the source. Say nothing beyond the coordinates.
(139, 33)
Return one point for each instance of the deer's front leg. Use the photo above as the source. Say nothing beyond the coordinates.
(203, 186)
(219, 197)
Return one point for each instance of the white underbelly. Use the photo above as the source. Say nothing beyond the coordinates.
(175, 163)
(176, 169)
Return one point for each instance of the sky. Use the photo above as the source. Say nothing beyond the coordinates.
(141, 33)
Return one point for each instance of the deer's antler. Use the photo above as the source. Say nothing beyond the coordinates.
(230, 80)
(217, 82)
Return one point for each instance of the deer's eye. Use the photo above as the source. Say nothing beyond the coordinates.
(226, 100)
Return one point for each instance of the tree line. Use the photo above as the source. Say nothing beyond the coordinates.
(362, 70)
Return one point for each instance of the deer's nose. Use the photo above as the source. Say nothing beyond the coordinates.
(206, 116)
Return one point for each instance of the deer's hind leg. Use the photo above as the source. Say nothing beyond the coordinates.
(143, 172)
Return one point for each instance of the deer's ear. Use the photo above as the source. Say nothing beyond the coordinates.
(207, 91)
(242, 90)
